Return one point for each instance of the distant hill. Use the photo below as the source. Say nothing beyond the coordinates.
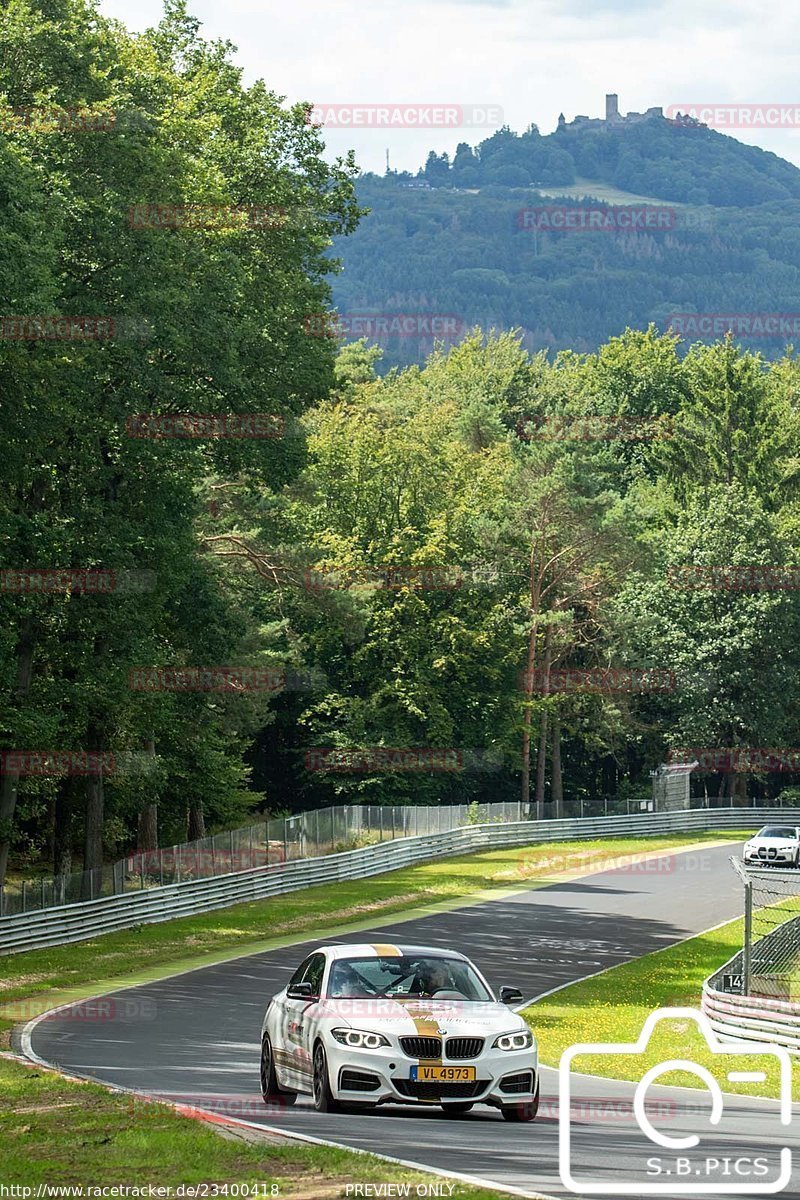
(687, 163)
(448, 240)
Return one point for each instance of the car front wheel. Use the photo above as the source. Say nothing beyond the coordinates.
(524, 1111)
(270, 1089)
(324, 1099)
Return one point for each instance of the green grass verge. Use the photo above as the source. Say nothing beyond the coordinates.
(613, 1006)
(60, 1131)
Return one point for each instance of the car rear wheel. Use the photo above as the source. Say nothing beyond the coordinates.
(324, 1099)
(270, 1089)
(525, 1110)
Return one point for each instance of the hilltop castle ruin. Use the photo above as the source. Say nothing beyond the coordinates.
(613, 117)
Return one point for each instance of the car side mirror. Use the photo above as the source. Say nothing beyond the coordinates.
(510, 995)
(303, 991)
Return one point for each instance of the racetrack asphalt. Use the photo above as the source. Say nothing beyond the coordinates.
(194, 1038)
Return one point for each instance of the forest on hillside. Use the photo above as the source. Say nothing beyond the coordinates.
(465, 254)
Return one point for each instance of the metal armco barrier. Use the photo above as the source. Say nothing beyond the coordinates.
(86, 919)
(752, 1018)
(750, 1014)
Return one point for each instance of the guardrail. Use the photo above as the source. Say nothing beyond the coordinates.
(752, 1018)
(739, 1016)
(86, 919)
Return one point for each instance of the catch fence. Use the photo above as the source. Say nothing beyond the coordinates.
(269, 843)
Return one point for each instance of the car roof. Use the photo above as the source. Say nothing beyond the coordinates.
(388, 950)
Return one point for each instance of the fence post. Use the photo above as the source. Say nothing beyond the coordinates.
(178, 863)
(747, 966)
(24, 895)
(161, 866)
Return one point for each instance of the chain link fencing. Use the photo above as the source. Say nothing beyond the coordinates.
(283, 839)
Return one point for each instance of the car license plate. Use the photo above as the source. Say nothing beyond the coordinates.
(439, 1074)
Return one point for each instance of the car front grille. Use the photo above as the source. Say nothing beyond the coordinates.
(463, 1047)
(439, 1091)
(422, 1047)
(522, 1082)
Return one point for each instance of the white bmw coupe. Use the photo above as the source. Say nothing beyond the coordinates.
(774, 845)
(382, 1024)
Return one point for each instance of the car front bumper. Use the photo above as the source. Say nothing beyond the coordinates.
(503, 1077)
(768, 858)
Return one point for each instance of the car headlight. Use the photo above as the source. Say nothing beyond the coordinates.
(360, 1039)
(514, 1041)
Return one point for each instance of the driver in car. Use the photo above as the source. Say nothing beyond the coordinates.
(347, 984)
(432, 978)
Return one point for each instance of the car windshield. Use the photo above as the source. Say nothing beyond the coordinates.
(778, 831)
(405, 977)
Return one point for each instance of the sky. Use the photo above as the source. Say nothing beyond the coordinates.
(527, 59)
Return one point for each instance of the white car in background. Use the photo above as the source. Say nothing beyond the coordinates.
(774, 845)
(383, 1024)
